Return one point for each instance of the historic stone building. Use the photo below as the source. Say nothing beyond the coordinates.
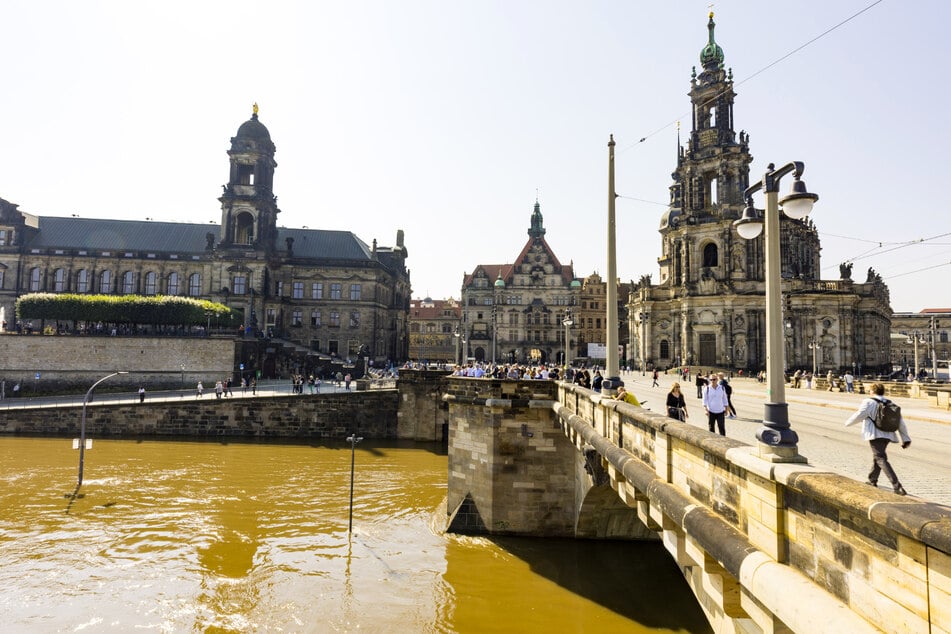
(590, 318)
(435, 333)
(708, 306)
(323, 291)
(924, 333)
(516, 312)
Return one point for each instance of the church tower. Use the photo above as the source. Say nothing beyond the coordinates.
(707, 309)
(248, 204)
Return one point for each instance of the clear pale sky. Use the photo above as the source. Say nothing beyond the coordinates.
(444, 118)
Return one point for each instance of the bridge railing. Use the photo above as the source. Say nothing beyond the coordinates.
(771, 543)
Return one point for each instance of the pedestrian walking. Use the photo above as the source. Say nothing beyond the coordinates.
(254, 386)
(199, 390)
(849, 382)
(715, 404)
(701, 383)
(729, 394)
(141, 394)
(676, 406)
(347, 380)
(879, 439)
(655, 383)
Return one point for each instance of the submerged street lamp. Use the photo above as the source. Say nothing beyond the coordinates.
(779, 443)
(82, 426)
(353, 439)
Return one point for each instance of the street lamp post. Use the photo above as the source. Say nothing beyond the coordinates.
(934, 355)
(353, 439)
(458, 347)
(778, 441)
(82, 426)
(643, 326)
(612, 379)
(916, 338)
(568, 322)
(814, 346)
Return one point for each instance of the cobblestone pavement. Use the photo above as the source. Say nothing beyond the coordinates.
(819, 418)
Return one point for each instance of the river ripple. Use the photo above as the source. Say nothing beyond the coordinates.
(252, 537)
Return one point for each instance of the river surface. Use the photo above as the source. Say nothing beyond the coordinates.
(189, 536)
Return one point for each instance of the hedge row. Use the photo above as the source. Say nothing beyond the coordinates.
(121, 309)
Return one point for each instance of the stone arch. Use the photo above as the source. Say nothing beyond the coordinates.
(603, 515)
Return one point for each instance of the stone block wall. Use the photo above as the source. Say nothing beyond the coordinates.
(74, 362)
(422, 412)
(508, 462)
(325, 416)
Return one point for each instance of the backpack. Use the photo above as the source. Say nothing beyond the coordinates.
(888, 416)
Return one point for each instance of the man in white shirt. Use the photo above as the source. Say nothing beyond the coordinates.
(715, 404)
(878, 439)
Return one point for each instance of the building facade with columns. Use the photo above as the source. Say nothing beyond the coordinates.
(515, 313)
(708, 306)
(324, 291)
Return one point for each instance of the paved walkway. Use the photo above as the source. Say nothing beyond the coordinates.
(818, 417)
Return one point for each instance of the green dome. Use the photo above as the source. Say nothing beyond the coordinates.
(499, 283)
(711, 57)
(575, 284)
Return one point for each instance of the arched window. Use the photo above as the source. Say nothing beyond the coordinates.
(82, 281)
(710, 255)
(664, 349)
(244, 229)
(128, 283)
(194, 284)
(59, 281)
(34, 279)
(173, 284)
(150, 283)
(105, 282)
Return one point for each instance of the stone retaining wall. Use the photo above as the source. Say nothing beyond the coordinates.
(72, 362)
(326, 416)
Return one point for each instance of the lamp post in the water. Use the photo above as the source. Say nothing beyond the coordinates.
(353, 439)
(82, 426)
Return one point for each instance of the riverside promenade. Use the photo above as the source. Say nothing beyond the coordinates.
(819, 417)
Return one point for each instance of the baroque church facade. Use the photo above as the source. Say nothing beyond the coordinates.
(326, 292)
(516, 313)
(708, 306)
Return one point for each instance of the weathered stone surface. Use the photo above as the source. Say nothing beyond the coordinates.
(370, 414)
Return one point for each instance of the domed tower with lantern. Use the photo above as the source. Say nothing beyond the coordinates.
(248, 204)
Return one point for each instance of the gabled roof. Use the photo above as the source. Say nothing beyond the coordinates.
(492, 271)
(567, 271)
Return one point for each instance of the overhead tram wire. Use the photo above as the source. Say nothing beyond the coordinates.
(927, 268)
(760, 71)
(899, 245)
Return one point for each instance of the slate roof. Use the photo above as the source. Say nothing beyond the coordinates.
(179, 237)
